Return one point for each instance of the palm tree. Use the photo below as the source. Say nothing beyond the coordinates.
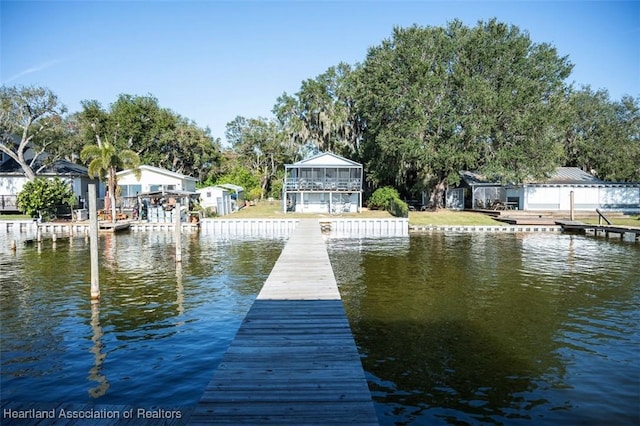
(105, 160)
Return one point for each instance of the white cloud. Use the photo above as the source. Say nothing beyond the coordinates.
(41, 67)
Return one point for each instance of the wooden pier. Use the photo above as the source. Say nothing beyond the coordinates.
(294, 360)
(633, 233)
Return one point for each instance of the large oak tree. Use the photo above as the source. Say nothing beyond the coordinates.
(603, 137)
(31, 124)
(435, 101)
(158, 135)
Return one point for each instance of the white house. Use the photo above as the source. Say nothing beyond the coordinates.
(551, 194)
(324, 183)
(216, 197)
(153, 179)
(153, 195)
(13, 179)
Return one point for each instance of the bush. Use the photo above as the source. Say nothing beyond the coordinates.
(398, 208)
(44, 196)
(381, 198)
(387, 198)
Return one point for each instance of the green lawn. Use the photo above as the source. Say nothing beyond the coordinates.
(630, 220)
(265, 209)
(273, 210)
(14, 217)
(450, 217)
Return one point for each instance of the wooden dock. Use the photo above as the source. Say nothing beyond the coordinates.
(294, 360)
(606, 230)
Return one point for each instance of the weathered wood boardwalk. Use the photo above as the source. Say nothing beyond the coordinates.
(294, 360)
(606, 230)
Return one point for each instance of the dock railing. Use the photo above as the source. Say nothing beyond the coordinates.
(601, 216)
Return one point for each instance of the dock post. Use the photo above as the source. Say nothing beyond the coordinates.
(93, 245)
(13, 245)
(177, 230)
(572, 205)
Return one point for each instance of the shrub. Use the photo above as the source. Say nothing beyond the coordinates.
(44, 196)
(398, 208)
(381, 198)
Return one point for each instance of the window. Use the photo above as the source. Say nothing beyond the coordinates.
(129, 190)
(153, 188)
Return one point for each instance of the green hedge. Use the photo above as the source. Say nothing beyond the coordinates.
(381, 198)
(398, 208)
(387, 198)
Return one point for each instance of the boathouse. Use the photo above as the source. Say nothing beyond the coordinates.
(550, 194)
(324, 183)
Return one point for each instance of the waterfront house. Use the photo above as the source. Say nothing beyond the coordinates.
(324, 183)
(13, 179)
(153, 179)
(153, 194)
(550, 194)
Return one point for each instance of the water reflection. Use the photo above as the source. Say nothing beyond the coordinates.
(494, 329)
(155, 324)
(179, 290)
(95, 374)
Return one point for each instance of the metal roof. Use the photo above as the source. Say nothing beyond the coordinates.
(58, 168)
(231, 186)
(560, 176)
(326, 159)
(158, 170)
(570, 176)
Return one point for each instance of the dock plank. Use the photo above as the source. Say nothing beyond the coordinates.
(293, 360)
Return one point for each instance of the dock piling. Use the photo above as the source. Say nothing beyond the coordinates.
(177, 232)
(93, 245)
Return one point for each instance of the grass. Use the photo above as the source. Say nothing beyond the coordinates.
(14, 217)
(450, 217)
(630, 220)
(265, 209)
(273, 210)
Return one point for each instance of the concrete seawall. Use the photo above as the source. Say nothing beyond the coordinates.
(485, 228)
(334, 227)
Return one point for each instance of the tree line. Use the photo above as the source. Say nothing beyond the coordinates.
(424, 104)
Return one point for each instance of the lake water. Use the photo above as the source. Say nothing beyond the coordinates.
(157, 334)
(496, 328)
(453, 328)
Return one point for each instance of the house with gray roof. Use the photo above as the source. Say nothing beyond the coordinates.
(13, 179)
(550, 194)
(324, 183)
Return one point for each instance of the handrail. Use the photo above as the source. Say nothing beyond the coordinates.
(602, 216)
(305, 184)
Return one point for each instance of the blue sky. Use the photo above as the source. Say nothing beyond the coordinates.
(211, 61)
